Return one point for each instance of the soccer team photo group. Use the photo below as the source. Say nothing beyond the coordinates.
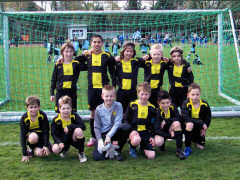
(120, 89)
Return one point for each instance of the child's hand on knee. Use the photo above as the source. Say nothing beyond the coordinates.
(152, 142)
(66, 130)
(45, 151)
(61, 145)
(25, 159)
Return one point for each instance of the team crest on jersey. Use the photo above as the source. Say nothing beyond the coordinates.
(68, 71)
(142, 113)
(114, 113)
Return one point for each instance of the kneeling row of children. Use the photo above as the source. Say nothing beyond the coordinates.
(141, 124)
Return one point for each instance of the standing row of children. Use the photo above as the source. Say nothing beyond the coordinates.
(128, 117)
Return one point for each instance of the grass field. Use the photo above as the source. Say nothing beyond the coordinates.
(220, 159)
(30, 74)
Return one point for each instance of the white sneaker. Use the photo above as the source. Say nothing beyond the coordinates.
(82, 157)
(63, 154)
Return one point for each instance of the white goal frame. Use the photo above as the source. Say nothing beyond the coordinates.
(216, 111)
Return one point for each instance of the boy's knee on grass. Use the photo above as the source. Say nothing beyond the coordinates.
(135, 140)
(38, 152)
(78, 132)
(150, 154)
(159, 141)
(33, 138)
(189, 126)
(56, 149)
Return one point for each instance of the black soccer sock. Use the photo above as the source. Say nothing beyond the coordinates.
(188, 138)
(178, 137)
(92, 128)
(80, 144)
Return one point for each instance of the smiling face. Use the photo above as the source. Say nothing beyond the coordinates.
(143, 96)
(194, 95)
(164, 104)
(68, 53)
(156, 55)
(96, 44)
(33, 109)
(176, 58)
(65, 110)
(128, 53)
(108, 97)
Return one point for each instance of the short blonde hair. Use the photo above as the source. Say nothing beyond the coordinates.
(31, 100)
(65, 100)
(144, 86)
(194, 86)
(157, 47)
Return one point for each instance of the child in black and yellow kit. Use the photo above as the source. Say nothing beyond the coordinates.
(34, 130)
(67, 129)
(180, 76)
(197, 116)
(167, 123)
(127, 67)
(140, 115)
(65, 76)
(154, 69)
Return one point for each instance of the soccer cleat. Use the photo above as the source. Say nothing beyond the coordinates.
(180, 154)
(187, 151)
(82, 157)
(91, 142)
(30, 153)
(63, 154)
(119, 157)
(132, 152)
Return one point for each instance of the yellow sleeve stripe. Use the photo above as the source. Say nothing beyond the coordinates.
(75, 61)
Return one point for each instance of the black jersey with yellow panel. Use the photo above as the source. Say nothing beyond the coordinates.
(58, 125)
(65, 76)
(153, 73)
(140, 118)
(40, 126)
(169, 117)
(201, 115)
(178, 75)
(127, 73)
(98, 67)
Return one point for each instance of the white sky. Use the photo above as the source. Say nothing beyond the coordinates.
(47, 4)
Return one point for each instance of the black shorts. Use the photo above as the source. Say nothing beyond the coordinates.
(125, 97)
(145, 143)
(153, 97)
(72, 93)
(196, 136)
(67, 140)
(39, 144)
(94, 98)
(178, 95)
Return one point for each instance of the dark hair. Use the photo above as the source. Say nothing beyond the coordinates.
(97, 36)
(125, 46)
(177, 49)
(31, 100)
(163, 95)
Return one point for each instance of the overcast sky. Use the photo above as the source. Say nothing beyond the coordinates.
(46, 4)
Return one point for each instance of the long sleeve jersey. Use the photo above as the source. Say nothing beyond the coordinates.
(58, 125)
(153, 73)
(107, 120)
(127, 73)
(141, 118)
(201, 116)
(170, 117)
(98, 67)
(65, 76)
(178, 75)
(40, 126)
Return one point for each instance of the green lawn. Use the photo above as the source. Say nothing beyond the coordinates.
(220, 160)
(30, 74)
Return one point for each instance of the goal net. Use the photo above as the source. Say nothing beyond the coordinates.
(24, 37)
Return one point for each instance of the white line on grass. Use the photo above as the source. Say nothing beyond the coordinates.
(208, 138)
